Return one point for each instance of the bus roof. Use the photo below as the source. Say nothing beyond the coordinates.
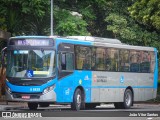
(108, 42)
(97, 41)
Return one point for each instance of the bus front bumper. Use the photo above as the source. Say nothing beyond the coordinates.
(36, 97)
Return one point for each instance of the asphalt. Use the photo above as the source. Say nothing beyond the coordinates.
(60, 110)
(18, 105)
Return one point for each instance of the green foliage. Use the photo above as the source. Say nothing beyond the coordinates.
(67, 24)
(146, 12)
(132, 22)
(2, 26)
(135, 27)
(19, 14)
(32, 17)
(130, 32)
(118, 25)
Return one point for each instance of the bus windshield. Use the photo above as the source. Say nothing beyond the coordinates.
(31, 63)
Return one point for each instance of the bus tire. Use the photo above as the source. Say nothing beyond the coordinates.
(128, 99)
(32, 106)
(77, 100)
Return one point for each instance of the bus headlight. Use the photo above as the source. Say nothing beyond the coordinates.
(8, 89)
(48, 89)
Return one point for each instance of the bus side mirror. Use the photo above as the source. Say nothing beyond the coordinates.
(4, 57)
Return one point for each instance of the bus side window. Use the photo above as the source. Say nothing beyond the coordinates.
(145, 62)
(114, 59)
(100, 59)
(152, 62)
(124, 65)
(83, 58)
(134, 61)
(66, 61)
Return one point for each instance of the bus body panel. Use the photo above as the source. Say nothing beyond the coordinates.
(36, 97)
(30, 89)
(34, 92)
(66, 86)
(61, 40)
(110, 86)
(84, 79)
(156, 73)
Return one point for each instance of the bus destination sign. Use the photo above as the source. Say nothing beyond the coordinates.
(31, 42)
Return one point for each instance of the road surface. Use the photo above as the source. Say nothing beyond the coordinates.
(105, 111)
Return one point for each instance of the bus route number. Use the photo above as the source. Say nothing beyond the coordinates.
(34, 89)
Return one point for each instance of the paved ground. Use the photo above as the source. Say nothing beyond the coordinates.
(110, 107)
(61, 112)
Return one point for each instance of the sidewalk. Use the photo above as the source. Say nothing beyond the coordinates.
(12, 105)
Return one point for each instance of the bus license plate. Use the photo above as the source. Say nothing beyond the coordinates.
(25, 97)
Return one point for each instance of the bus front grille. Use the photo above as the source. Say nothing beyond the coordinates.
(22, 96)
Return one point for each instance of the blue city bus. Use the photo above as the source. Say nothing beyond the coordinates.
(82, 71)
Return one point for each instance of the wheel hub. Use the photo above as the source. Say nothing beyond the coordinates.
(128, 99)
(78, 100)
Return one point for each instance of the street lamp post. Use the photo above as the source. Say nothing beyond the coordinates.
(51, 17)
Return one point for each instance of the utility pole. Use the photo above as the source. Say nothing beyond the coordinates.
(51, 17)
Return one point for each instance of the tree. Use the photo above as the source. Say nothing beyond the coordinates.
(146, 12)
(32, 17)
(129, 32)
(19, 14)
(68, 24)
(133, 22)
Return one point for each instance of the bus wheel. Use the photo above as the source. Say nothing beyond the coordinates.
(127, 102)
(128, 99)
(44, 104)
(77, 100)
(32, 106)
